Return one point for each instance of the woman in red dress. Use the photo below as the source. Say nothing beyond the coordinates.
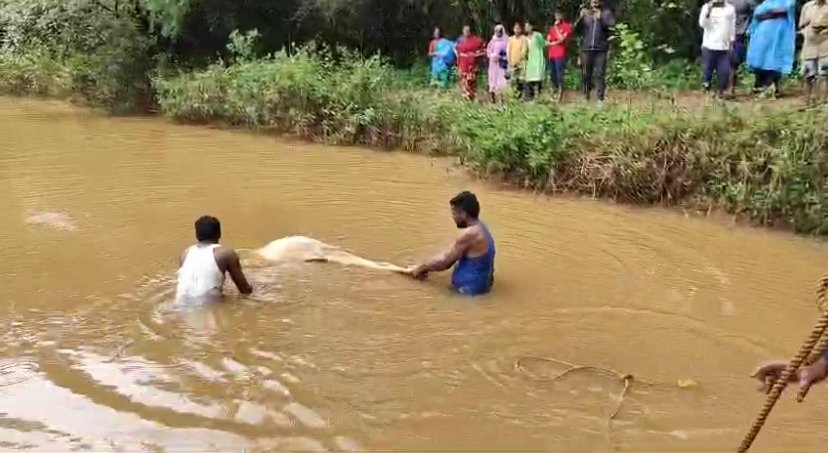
(469, 50)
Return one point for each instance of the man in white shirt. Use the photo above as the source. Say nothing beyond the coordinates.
(204, 265)
(718, 20)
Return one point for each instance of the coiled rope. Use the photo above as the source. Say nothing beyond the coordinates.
(811, 350)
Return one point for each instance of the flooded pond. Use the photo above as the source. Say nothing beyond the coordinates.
(95, 356)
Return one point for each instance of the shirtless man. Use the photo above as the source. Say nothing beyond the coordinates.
(472, 254)
(204, 265)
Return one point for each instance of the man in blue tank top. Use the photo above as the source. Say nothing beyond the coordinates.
(472, 254)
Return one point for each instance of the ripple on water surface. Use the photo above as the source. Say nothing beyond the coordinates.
(346, 358)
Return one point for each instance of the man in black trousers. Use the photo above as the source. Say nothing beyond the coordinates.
(595, 26)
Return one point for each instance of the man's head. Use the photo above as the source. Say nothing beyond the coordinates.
(466, 31)
(559, 16)
(436, 33)
(518, 29)
(464, 209)
(208, 229)
(595, 4)
(528, 27)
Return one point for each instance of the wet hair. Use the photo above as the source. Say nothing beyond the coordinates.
(207, 228)
(466, 202)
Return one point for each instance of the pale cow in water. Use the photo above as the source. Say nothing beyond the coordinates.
(302, 248)
(57, 220)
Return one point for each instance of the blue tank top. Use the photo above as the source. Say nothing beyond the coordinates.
(475, 276)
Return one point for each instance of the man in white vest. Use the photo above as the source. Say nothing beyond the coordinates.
(204, 264)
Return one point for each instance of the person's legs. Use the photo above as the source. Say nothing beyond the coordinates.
(737, 56)
(768, 83)
(758, 80)
(532, 90)
(765, 82)
(708, 64)
(810, 69)
(443, 78)
(822, 79)
(468, 84)
(601, 74)
(587, 68)
(723, 66)
(560, 71)
(518, 82)
(553, 74)
(528, 90)
(776, 79)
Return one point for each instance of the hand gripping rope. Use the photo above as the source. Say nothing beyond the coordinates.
(811, 350)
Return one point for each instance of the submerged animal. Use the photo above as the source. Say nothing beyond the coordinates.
(305, 249)
(57, 220)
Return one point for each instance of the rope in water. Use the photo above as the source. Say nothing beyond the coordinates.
(810, 351)
(627, 379)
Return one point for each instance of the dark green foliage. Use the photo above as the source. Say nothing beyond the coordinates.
(94, 50)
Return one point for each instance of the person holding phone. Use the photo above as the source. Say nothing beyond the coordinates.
(595, 27)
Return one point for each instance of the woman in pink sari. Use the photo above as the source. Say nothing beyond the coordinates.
(496, 51)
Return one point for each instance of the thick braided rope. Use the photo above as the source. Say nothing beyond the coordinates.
(822, 347)
(805, 352)
(819, 351)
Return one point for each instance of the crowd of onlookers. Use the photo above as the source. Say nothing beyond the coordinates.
(735, 33)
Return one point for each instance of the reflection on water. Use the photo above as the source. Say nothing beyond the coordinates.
(98, 356)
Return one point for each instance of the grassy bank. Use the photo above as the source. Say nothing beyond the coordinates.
(770, 166)
(767, 165)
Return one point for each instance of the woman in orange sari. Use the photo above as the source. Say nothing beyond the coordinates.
(469, 50)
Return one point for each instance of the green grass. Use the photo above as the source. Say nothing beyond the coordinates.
(765, 164)
(770, 166)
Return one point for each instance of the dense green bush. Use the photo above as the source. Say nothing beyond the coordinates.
(307, 94)
(36, 74)
(86, 49)
(768, 166)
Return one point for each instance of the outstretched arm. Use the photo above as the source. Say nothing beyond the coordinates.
(770, 372)
(234, 268)
(445, 259)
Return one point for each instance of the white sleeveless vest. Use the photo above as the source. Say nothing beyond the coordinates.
(199, 275)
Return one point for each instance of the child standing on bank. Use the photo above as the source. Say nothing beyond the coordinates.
(557, 39)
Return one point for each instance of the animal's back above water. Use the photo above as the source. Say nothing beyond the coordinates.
(305, 249)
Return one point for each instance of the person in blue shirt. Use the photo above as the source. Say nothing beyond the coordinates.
(472, 254)
(807, 376)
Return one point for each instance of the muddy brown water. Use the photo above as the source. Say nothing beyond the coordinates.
(95, 355)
